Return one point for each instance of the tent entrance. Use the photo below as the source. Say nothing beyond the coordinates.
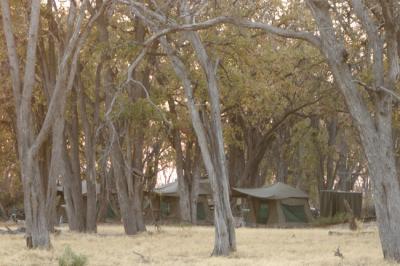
(294, 213)
(262, 214)
(165, 209)
(201, 211)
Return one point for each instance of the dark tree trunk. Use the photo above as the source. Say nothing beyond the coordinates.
(72, 186)
(236, 165)
(183, 184)
(332, 127)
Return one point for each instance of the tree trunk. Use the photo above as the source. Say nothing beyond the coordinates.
(236, 165)
(343, 171)
(183, 184)
(213, 158)
(56, 170)
(375, 131)
(72, 182)
(90, 155)
(195, 185)
(34, 202)
(332, 127)
(72, 186)
(125, 199)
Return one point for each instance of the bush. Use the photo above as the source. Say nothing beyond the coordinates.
(339, 218)
(69, 258)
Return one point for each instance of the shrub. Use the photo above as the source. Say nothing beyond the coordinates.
(339, 218)
(70, 258)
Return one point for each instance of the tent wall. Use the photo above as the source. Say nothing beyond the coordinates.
(166, 208)
(208, 215)
(299, 202)
(276, 215)
(332, 202)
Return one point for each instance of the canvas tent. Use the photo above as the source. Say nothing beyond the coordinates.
(165, 202)
(332, 202)
(61, 207)
(279, 204)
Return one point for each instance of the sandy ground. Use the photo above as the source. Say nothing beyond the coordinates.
(192, 246)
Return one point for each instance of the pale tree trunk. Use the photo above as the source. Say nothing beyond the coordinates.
(29, 145)
(34, 202)
(56, 169)
(375, 131)
(212, 149)
(225, 240)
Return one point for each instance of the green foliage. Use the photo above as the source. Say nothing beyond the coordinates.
(70, 258)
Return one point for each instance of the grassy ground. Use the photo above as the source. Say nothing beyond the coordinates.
(192, 246)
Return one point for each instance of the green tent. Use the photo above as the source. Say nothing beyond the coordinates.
(279, 204)
(165, 202)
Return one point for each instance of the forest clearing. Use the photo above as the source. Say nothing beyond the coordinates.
(190, 245)
(120, 115)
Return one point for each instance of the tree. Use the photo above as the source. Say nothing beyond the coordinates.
(29, 144)
(373, 120)
(36, 225)
(208, 129)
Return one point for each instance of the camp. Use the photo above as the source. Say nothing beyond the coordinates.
(276, 205)
(165, 203)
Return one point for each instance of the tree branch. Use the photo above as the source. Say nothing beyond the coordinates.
(12, 52)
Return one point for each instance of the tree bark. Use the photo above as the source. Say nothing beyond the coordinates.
(195, 185)
(212, 149)
(34, 202)
(72, 182)
(375, 131)
(183, 184)
(90, 155)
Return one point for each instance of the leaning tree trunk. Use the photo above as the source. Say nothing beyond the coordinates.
(224, 223)
(225, 240)
(375, 130)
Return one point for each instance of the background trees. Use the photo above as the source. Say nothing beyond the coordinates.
(114, 92)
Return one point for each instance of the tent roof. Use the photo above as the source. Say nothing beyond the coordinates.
(171, 189)
(276, 191)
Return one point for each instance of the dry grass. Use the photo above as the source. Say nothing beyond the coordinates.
(192, 246)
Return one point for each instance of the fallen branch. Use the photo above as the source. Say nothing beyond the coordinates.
(337, 233)
(144, 259)
(9, 231)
